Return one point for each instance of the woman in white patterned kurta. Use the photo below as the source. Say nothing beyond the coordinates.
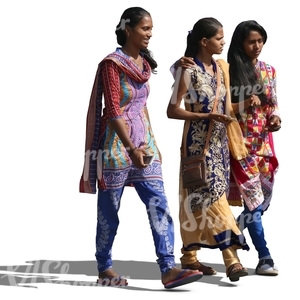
(205, 216)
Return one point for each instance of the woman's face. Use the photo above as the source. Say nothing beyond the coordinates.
(139, 36)
(215, 44)
(253, 45)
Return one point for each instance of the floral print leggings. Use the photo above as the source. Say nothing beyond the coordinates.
(152, 194)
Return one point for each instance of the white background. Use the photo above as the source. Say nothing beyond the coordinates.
(49, 55)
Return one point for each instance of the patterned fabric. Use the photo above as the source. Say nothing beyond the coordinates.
(254, 175)
(201, 96)
(213, 227)
(125, 89)
(204, 213)
(152, 194)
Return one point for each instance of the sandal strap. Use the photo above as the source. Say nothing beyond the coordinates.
(268, 261)
(234, 268)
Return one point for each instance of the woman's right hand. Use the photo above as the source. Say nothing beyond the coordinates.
(220, 118)
(184, 62)
(136, 157)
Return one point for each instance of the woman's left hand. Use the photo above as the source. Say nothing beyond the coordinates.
(137, 157)
(254, 101)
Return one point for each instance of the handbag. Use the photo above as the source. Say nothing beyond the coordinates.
(193, 168)
(193, 171)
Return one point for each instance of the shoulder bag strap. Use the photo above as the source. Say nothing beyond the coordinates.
(213, 110)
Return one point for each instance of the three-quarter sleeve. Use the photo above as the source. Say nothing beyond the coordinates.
(110, 77)
(274, 93)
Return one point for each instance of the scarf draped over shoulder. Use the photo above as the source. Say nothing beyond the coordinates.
(88, 180)
(235, 136)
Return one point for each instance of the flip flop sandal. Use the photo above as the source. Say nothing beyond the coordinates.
(184, 277)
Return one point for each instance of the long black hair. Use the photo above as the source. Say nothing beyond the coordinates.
(243, 77)
(131, 17)
(203, 28)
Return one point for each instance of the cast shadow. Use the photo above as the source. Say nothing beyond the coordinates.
(52, 272)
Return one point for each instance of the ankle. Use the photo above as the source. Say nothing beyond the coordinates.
(266, 257)
(107, 273)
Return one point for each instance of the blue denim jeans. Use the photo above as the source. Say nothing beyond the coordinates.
(252, 220)
(153, 196)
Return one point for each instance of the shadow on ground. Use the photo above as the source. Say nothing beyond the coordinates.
(35, 272)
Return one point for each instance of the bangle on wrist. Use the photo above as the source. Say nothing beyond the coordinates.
(130, 151)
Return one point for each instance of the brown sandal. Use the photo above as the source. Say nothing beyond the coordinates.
(110, 278)
(200, 267)
(235, 271)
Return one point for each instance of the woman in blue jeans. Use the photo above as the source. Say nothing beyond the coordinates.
(254, 101)
(252, 220)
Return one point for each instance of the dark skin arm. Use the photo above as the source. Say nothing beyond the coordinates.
(174, 111)
(188, 62)
(136, 155)
(111, 97)
(253, 100)
(274, 120)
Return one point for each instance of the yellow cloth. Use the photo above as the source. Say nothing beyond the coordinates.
(235, 136)
(230, 257)
(211, 227)
(188, 257)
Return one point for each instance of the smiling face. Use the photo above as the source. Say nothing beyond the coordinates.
(253, 45)
(215, 44)
(139, 36)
